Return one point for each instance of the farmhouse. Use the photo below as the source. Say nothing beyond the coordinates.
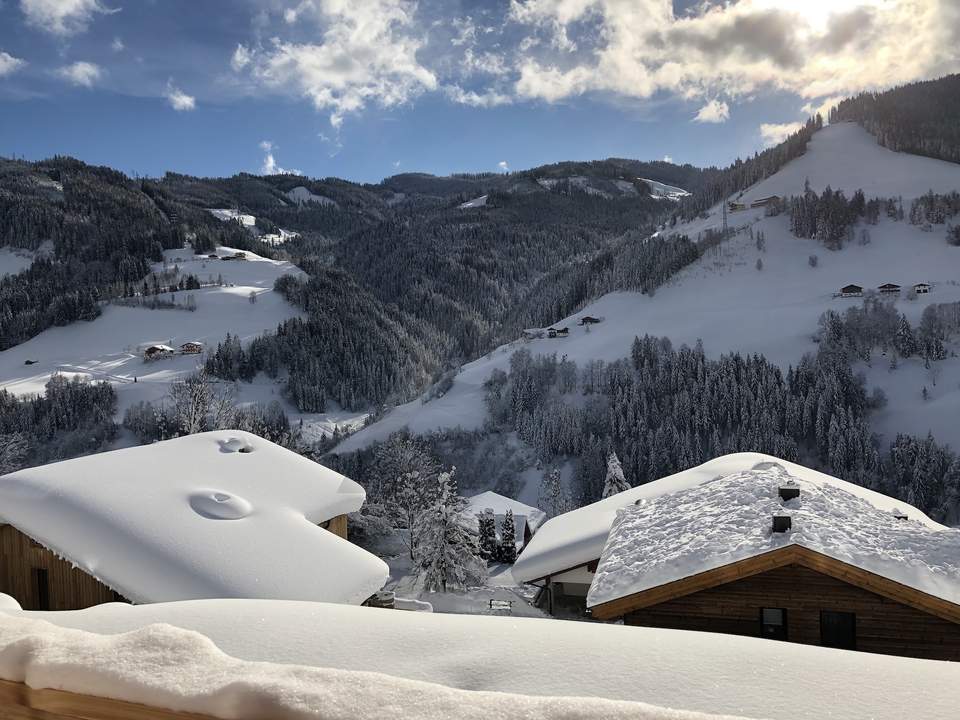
(551, 332)
(921, 288)
(154, 352)
(526, 519)
(889, 288)
(193, 347)
(780, 556)
(222, 514)
(563, 556)
(563, 332)
(736, 206)
(590, 320)
(851, 291)
(764, 201)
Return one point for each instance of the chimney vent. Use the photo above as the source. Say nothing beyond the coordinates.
(789, 492)
(782, 523)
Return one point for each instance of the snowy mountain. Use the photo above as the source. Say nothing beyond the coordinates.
(725, 301)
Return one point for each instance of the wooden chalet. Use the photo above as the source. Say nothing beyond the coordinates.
(155, 352)
(62, 549)
(192, 347)
(551, 332)
(922, 288)
(736, 206)
(851, 291)
(563, 332)
(764, 201)
(886, 591)
(889, 288)
(590, 320)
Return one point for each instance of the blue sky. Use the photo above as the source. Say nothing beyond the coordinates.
(363, 89)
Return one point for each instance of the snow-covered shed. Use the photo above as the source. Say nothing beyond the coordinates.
(562, 557)
(526, 518)
(771, 553)
(223, 514)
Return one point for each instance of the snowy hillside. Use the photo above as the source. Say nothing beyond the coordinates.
(724, 300)
(111, 347)
(310, 652)
(301, 195)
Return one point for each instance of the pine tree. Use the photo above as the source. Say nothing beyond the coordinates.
(553, 499)
(615, 481)
(508, 539)
(487, 530)
(448, 552)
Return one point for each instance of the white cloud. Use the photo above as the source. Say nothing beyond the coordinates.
(503, 166)
(9, 64)
(240, 58)
(269, 165)
(815, 48)
(62, 17)
(117, 45)
(775, 133)
(821, 107)
(715, 111)
(179, 100)
(488, 98)
(367, 53)
(85, 74)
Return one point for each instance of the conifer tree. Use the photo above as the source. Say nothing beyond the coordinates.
(615, 481)
(508, 539)
(487, 529)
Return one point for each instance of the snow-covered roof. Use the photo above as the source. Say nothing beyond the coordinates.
(707, 526)
(212, 515)
(522, 514)
(577, 537)
(190, 654)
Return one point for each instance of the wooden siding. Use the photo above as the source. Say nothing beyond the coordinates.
(337, 525)
(69, 587)
(20, 702)
(883, 625)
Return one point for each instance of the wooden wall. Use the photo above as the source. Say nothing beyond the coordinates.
(69, 588)
(337, 525)
(882, 625)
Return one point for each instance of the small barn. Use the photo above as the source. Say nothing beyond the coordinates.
(563, 332)
(889, 288)
(193, 347)
(784, 557)
(851, 291)
(921, 288)
(764, 201)
(223, 514)
(551, 332)
(527, 519)
(736, 206)
(590, 320)
(155, 352)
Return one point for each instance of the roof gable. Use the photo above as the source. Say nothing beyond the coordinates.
(727, 520)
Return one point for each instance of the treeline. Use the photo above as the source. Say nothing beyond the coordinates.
(723, 184)
(920, 118)
(935, 209)
(71, 418)
(350, 348)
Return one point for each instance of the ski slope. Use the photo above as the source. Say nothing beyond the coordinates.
(723, 300)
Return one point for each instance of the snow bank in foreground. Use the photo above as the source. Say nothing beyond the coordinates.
(167, 667)
(698, 672)
(660, 540)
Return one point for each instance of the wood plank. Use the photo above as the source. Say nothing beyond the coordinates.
(21, 701)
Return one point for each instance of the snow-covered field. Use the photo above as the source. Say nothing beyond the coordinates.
(14, 260)
(723, 299)
(376, 660)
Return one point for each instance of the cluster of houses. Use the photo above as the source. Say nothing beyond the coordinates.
(781, 552)
(736, 206)
(158, 351)
(885, 289)
(558, 332)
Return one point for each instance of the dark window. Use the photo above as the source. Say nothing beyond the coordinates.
(773, 623)
(42, 582)
(838, 629)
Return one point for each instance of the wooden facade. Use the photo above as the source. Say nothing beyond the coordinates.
(818, 600)
(39, 580)
(337, 525)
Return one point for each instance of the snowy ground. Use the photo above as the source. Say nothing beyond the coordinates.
(726, 302)
(14, 260)
(525, 657)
